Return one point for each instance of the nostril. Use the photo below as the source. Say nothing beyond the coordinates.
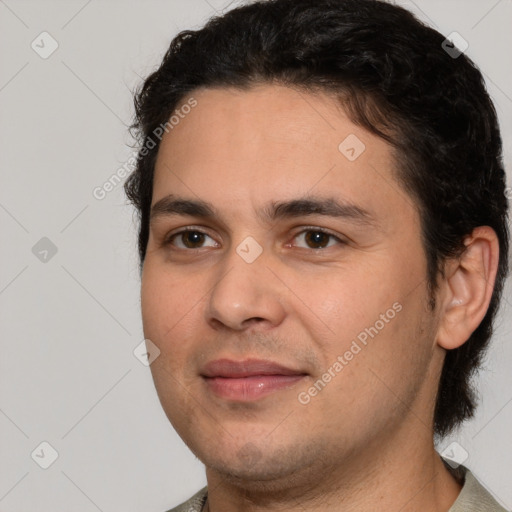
(255, 320)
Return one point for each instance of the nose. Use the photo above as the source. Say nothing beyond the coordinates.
(245, 295)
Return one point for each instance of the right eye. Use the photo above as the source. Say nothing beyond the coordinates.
(190, 239)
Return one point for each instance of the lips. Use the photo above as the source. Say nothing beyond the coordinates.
(248, 380)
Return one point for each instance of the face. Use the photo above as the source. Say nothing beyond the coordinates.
(284, 285)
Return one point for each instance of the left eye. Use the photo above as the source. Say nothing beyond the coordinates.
(318, 238)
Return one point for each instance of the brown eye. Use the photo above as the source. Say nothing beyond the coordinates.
(189, 239)
(192, 238)
(317, 239)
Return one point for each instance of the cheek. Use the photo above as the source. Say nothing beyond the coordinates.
(351, 299)
(372, 311)
(170, 304)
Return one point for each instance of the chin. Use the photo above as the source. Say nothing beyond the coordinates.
(260, 478)
(255, 468)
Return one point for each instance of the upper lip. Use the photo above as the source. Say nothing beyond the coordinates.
(228, 368)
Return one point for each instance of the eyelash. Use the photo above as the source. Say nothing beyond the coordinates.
(168, 241)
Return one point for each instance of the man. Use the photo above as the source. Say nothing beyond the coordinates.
(323, 245)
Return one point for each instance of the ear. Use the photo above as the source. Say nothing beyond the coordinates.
(468, 285)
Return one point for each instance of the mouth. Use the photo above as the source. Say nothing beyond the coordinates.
(248, 380)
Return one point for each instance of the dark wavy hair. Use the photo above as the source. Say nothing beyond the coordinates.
(396, 79)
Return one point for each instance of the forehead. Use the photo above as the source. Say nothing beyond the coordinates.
(241, 147)
(274, 120)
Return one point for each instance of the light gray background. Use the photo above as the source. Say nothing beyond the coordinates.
(69, 325)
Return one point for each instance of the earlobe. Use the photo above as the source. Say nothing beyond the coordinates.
(468, 285)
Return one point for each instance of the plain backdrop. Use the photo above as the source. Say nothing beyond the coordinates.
(69, 282)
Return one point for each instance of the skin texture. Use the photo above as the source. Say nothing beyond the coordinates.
(364, 441)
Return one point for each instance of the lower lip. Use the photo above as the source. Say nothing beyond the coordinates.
(245, 389)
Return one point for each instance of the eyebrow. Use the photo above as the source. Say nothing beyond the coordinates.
(172, 205)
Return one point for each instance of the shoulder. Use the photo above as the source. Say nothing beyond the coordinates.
(194, 504)
(474, 497)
